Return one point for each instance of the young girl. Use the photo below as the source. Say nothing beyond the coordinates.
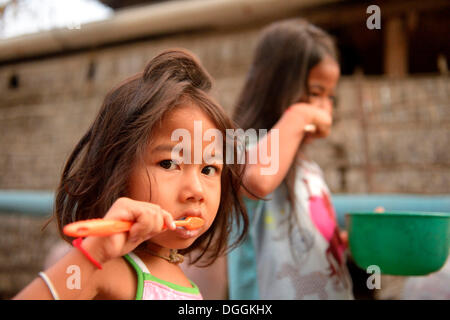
(294, 237)
(123, 169)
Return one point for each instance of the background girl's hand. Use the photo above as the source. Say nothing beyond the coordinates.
(149, 219)
(311, 114)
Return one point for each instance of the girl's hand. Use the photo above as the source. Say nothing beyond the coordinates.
(311, 114)
(149, 220)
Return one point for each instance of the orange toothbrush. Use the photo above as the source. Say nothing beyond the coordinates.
(103, 227)
(190, 223)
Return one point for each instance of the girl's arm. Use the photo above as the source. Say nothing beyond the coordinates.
(60, 273)
(291, 132)
(149, 220)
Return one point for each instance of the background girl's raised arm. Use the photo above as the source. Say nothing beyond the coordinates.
(291, 132)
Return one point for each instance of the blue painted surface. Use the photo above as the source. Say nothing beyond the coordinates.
(32, 203)
(40, 203)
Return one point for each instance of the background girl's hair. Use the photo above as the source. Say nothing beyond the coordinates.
(284, 56)
(97, 171)
(286, 52)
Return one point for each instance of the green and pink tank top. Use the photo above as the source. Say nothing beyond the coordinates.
(150, 287)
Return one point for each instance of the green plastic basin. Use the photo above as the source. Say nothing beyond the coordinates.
(399, 243)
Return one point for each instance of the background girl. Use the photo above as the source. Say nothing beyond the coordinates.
(123, 169)
(294, 237)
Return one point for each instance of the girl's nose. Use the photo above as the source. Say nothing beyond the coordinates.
(192, 188)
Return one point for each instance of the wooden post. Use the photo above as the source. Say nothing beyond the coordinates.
(395, 47)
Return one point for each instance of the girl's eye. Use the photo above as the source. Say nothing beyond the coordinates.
(168, 164)
(210, 170)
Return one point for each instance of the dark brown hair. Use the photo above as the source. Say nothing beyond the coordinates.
(97, 172)
(284, 56)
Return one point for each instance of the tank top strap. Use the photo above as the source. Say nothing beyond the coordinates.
(141, 269)
(137, 262)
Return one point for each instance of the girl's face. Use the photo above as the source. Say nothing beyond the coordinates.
(322, 81)
(179, 188)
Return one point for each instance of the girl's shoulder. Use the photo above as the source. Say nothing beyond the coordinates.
(117, 281)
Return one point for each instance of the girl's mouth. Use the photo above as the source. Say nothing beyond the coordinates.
(186, 234)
